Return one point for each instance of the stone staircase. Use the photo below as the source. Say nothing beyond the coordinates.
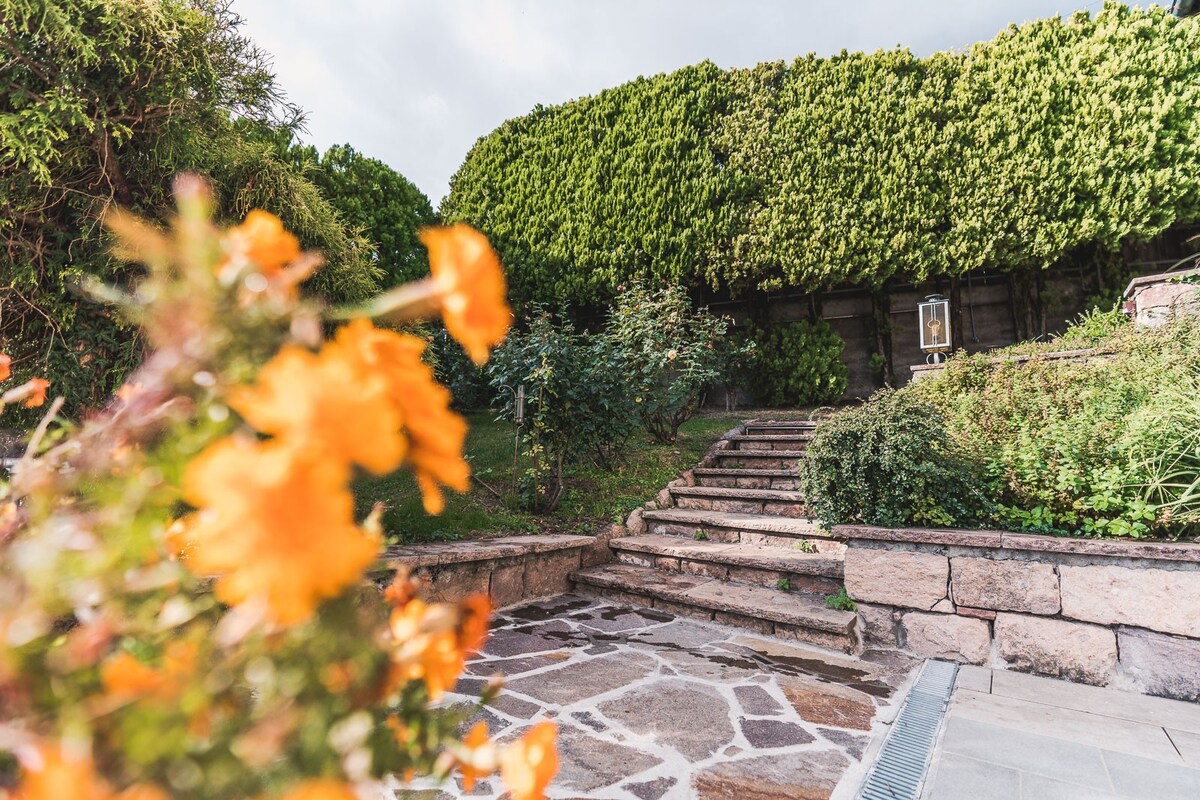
(719, 543)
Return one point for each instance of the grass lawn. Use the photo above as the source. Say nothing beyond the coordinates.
(594, 496)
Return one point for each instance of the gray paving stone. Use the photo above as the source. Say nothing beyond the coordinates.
(619, 618)
(685, 715)
(582, 680)
(1041, 755)
(959, 778)
(515, 706)
(853, 744)
(1036, 787)
(680, 633)
(1188, 745)
(512, 667)
(1108, 702)
(1109, 733)
(756, 700)
(713, 665)
(1136, 777)
(769, 733)
(650, 790)
(587, 763)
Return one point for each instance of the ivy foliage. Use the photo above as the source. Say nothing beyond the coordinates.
(103, 102)
(1056, 137)
(582, 197)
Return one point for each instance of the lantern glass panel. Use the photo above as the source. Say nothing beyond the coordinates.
(934, 317)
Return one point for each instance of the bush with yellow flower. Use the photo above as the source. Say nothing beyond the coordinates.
(185, 609)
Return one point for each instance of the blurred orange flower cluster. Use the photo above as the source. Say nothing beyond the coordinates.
(275, 517)
(272, 523)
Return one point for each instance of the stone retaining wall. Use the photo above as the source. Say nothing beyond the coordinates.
(509, 570)
(1101, 612)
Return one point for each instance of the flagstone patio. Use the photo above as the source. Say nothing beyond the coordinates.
(651, 705)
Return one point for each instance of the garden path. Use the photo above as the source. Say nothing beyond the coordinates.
(655, 707)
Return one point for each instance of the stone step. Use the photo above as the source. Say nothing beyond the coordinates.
(779, 479)
(767, 427)
(751, 501)
(729, 527)
(761, 565)
(759, 459)
(786, 614)
(774, 441)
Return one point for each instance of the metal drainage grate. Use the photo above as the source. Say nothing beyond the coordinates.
(899, 771)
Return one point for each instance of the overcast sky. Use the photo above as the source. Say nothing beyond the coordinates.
(415, 82)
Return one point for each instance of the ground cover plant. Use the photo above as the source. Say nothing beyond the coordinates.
(184, 605)
(593, 496)
(1098, 446)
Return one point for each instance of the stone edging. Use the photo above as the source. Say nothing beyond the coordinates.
(509, 570)
(1011, 540)
(1100, 612)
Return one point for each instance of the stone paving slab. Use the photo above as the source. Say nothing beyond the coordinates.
(654, 707)
(749, 555)
(763, 523)
(1010, 736)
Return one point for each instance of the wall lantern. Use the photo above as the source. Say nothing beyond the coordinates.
(934, 317)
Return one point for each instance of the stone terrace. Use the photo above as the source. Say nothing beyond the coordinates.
(650, 706)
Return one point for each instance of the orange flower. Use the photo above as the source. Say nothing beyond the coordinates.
(473, 622)
(528, 765)
(476, 757)
(177, 538)
(470, 283)
(262, 239)
(427, 645)
(328, 403)
(5, 367)
(320, 789)
(124, 676)
(435, 433)
(275, 525)
(51, 774)
(36, 392)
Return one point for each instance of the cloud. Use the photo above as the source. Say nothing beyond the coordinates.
(416, 82)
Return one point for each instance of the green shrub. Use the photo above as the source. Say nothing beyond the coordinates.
(667, 351)
(576, 403)
(1092, 448)
(888, 462)
(454, 370)
(799, 364)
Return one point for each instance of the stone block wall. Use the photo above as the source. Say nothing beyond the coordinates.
(509, 570)
(1125, 614)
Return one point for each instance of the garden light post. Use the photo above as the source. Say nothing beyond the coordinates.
(934, 323)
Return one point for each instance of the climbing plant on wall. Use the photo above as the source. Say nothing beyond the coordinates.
(1056, 136)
